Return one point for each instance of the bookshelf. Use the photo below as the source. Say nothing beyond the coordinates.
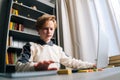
(20, 28)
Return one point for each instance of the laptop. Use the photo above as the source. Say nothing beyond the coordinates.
(102, 59)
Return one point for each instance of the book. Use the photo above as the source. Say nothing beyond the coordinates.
(114, 57)
(11, 57)
(16, 43)
(10, 41)
(10, 25)
(115, 61)
(7, 61)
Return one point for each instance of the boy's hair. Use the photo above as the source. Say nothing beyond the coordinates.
(43, 19)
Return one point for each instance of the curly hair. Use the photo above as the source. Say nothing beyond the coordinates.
(43, 19)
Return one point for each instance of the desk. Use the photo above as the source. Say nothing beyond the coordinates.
(107, 74)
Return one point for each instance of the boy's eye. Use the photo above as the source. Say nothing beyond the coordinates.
(51, 28)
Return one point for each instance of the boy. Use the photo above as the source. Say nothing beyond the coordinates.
(44, 55)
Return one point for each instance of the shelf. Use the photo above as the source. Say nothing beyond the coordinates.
(22, 18)
(22, 36)
(14, 49)
(41, 5)
(28, 22)
(47, 3)
(10, 68)
(27, 11)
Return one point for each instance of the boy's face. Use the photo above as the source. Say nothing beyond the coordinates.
(47, 32)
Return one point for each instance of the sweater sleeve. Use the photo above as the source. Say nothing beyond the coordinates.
(75, 63)
(72, 62)
(24, 63)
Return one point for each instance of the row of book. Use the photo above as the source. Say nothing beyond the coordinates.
(16, 26)
(11, 57)
(14, 11)
(21, 28)
(15, 43)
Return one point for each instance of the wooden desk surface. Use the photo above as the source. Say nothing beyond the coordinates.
(107, 74)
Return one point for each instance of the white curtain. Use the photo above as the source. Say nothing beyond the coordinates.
(114, 27)
(80, 21)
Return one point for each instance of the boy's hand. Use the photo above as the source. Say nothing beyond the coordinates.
(40, 66)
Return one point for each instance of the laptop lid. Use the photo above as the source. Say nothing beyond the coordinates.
(102, 54)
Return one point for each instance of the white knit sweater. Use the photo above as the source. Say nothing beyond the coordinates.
(46, 52)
